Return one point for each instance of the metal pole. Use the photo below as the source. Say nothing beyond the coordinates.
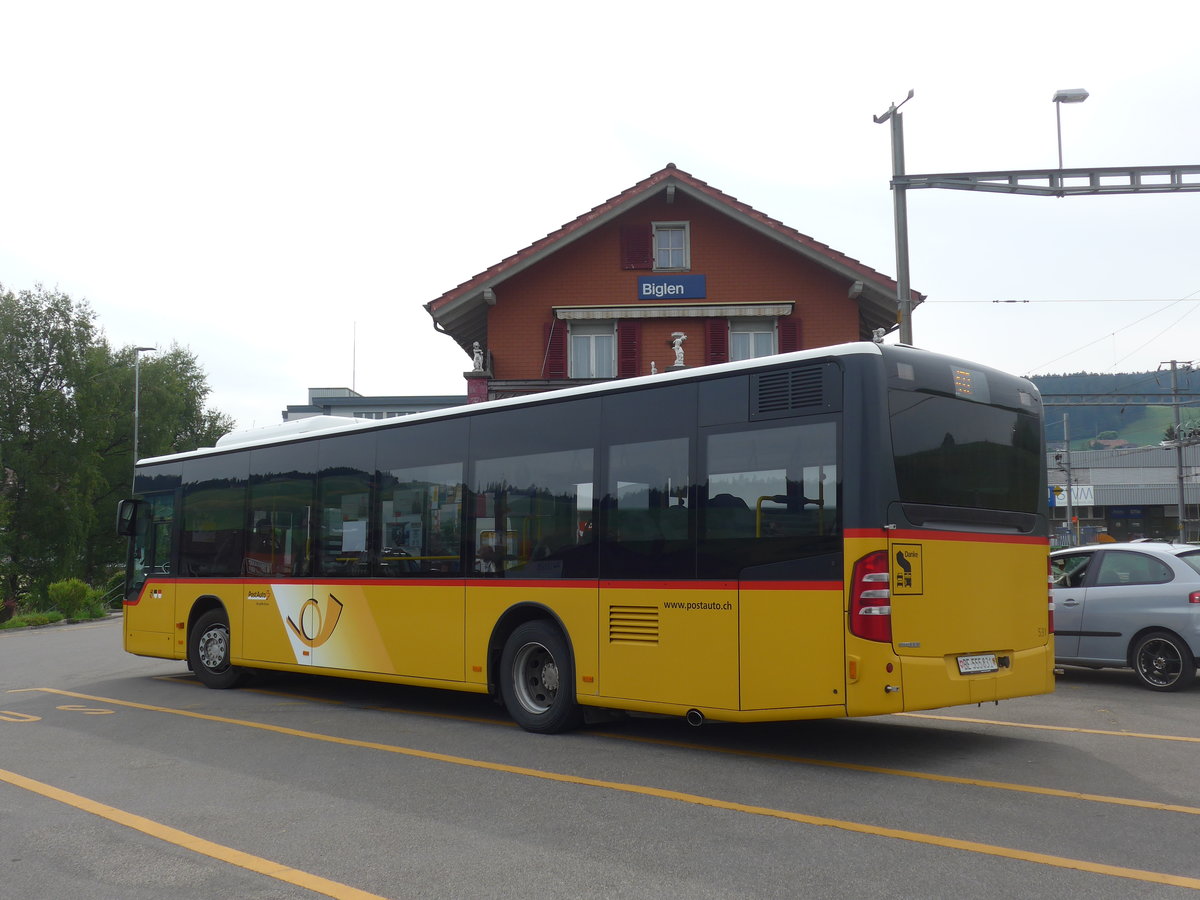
(1180, 530)
(1070, 481)
(900, 200)
(900, 205)
(1058, 117)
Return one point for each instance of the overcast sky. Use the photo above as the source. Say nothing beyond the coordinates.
(282, 186)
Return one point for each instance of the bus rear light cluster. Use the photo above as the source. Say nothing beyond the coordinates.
(870, 598)
(1050, 597)
(1194, 597)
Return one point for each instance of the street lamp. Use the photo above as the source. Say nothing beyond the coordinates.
(1070, 95)
(137, 393)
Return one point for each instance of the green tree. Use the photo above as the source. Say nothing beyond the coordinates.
(44, 347)
(66, 437)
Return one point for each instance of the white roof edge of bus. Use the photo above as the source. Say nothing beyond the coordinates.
(283, 429)
(273, 433)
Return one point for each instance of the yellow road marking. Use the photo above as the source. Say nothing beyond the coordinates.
(308, 698)
(275, 870)
(1125, 734)
(905, 773)
(825, 763)
(7, 715)
(1060, 862)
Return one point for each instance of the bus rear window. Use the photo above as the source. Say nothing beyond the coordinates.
(960, 453)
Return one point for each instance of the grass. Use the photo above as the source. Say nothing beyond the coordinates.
(30, 619)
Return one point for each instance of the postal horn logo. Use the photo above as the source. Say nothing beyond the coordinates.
(314, 628)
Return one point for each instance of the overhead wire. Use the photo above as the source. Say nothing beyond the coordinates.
(1130, 325)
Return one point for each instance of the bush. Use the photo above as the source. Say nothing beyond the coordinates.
(75, 599)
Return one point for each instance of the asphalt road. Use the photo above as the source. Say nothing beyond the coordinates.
(122, 778)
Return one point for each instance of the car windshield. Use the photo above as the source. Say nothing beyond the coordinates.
(1192, 558)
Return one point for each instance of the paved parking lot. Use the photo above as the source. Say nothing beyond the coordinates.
(121, 777)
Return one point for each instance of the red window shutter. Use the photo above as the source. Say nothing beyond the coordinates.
(637, 247)
(629, 345)
(716, 341)
(789, 336)
(555, 363)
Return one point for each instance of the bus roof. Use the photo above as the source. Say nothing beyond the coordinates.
(325, 426)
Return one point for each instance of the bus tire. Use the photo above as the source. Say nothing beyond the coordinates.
(537, 679)
(1163, 662)
(208, 651)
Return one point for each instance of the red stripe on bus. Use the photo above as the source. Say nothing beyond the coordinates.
(669, 585)
(791, 586)
(678, 585)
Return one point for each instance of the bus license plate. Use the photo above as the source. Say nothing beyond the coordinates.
(979, 662)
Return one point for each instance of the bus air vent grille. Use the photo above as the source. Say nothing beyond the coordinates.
(788, 391)
(633, 624)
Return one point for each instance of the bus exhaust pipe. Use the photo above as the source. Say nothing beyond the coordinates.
(695, 718)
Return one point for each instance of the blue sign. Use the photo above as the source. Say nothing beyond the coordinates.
(672, 287)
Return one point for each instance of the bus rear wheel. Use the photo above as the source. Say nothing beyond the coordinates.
(537, 679)
(208, 651)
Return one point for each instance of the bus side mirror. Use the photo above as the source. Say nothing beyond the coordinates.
(127, 517)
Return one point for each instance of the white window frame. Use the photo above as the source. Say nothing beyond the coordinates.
(587, 333)
(753, 327)
(683, 229)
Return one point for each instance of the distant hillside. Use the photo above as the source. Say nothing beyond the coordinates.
(1136, 425)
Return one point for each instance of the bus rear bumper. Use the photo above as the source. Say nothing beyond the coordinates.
(938, 682)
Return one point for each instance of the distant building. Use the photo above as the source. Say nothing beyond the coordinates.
(670, 273)
(1128, 493)
(344, 402)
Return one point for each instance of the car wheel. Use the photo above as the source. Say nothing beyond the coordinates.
(1163, 662)
(208, 651)
(537, 679)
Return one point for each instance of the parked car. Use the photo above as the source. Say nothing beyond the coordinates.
(1133, 605)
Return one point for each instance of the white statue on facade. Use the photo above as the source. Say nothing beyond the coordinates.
(677, 339)
(477, 354)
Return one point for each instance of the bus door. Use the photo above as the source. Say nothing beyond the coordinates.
(771, 520)
(150, 594)
(281, 618)
(791, 607)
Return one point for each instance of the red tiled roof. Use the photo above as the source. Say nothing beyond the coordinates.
(669, 173)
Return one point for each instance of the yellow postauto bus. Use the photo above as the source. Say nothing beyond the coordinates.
(848, 531)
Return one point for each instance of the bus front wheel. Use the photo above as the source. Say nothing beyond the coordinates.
(208, 651)
(537, 679)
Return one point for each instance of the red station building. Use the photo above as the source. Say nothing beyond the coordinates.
(671, 272)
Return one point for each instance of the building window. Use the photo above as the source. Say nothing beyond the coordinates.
(672, 245)
(751, 338)
(592, 351)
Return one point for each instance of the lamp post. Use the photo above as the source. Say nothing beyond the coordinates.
(1070, 95)
(137, 393)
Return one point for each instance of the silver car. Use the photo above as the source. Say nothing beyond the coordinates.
(1131, 606)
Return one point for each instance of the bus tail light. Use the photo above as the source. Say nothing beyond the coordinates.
(1049, 597)
(871, 598)
(1194, 597)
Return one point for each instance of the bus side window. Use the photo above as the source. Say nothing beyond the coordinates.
(421, 513)
(770, 495)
